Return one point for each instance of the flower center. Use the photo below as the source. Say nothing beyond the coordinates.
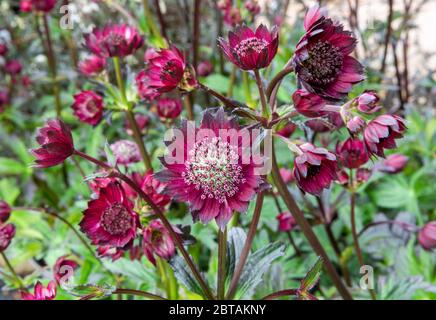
(90, 108)
(114, 39)
(172, 70)
(116, 219)
(313, 171)
(324, 63)
(213, 168)
(250, 45)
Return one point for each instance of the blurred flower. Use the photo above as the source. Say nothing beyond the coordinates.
(157, 241)
(64, 268)
(394, 163)
(367, 102)
(331, 121)
(56, 144)
(142, 121)
(26, 81)
(356, 124)
(135, 253)
(352, 153)
(40, 292)
(7, 233)
(287, 175)
(110, 219)
(204, 68)
(252, 6)
(4, 99)
(99, 183)
(88, 107)
(125, 152)
(381, 132)
(3, 49)
(308, 104)
(363, 175)
(427, 236)
(13, 67)
(231, 14)
(287, 130)
(314, 168)
(5, 211)
(109, 252)
(342, 177)
(322, 58)
(286, 221)
(169, 108)
(92, 66)
(213, 178)
(251, 50)
(114, 41)
(143, 85)
(25, 5)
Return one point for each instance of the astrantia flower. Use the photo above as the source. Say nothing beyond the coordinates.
(286, 221)
(110, 252)
(367, 102)
(204, 68)
(43, 5)
(40, 292)
(363, 174)
(114, 41)
(331, 121)
(88, 107)
(143, 85)
(427, 236)
(110, 219)
(251, 50)
(352, 153)
(342, 177)
(13, 67)
(56, 144)
(7, 233)
(157, 241)
(252, 6)
(287, 130)
(287, 175)
(64, 268)
(308, 104)
(3, 49)
(92, 65)
(212, 177)
(169, 108)
(394, 163)
(125, 152)
(142, 121)
(5, 211)
(381, 133)
(314, 168)
(25, 5)
(356, 124)
(322, 58)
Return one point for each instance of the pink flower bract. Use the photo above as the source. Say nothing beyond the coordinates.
(41, 292)
(157, 241)
(88, 107)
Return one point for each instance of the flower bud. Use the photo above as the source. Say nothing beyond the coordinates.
(308, 104)
(367, 102)
(427, 236)
(205, 68)
(286, 221)
(356, 124)
(394, 163)
(169, 108)
(5, 211)
(7, 233)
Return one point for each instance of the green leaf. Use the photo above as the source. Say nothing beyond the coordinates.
(312, 276)
(235, 243)
(12, 167)
(184, 274)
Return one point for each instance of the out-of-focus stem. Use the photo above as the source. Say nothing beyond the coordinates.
(265, 111)
(222, 251)
(387, 35)
(282, 293)
(138, 293)
(196, 33)
(231, 82)
(161, 19)
(150, 22)
(12, 270)
(188, 105)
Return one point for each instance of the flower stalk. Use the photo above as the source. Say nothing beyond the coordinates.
(222, 251)
(12, 270)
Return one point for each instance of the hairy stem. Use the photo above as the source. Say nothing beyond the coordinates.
(222, 251)
(265, 111)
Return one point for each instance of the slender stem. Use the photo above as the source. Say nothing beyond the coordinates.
(259, 83)
(222, 252)
(226, 101)
(247, 246)
(275, 81)
(12, 270)
(282, 293)
(139, 293)
(387, 36)
(188, 105)
(150, 22)
(196, 33)
(293, 244)
(231, 82)
(120, 81)
(161, 19)
(306, 228)
(93, 160)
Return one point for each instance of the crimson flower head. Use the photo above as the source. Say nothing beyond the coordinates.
(169, 108)
(204, 68)
(394, 163)
(13, 67)
(25, 5)
(251, 50)
(125, 152)
(427, 236)
(287, 130)
(286, 221)
(3, 49)
(342, 177)
(88, 107)
(110, 219)
(41, 292)
(56, 144)
(92, 65)
(110, 252)
(363, 175)
(42, 5)
(5, 211)
(308, 104)
(142, 121)
(252, 6)
(367, 102)
(322, 58)
(7, 233)
(331, 121)
(356, 124)
(114, 41)
(314, 168)
(381, 132)
(213, 177)
(352, 153)
(157, 241)
(64, 268)
(287, 175)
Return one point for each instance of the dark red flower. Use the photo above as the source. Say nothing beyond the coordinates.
(231, 14)
(114, 41)
(40, 292)
(394, 163)
(92, 66)
(25, 5)
(64, 268)
(352, 153)
(43, 5)
(157, 241)
(13, 67)
(142, 121)
(356, 124)
(308, 104)
(125, 152)
(3, 49)
(169, 108)
(99, 183)
(56, 144)
(7, 233)
(381, 133)
(286, 221)
(287, 130)
(342, 177)
(251, 50)
(427, 236)
(367, 102)
(363, 175)
(204, 68)
(110, 220)
(145, 91)
(5, 211)
(314, 168)
(287, 175)
(213, 176)
(331, 121)
(322, 58)
(252, 6)
(110, 252)
(88, 107)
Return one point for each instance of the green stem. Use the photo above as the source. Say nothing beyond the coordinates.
(12, 270)
(265, 111)
(222, 252)
(247, 90)
(150, 22)
(139, 293)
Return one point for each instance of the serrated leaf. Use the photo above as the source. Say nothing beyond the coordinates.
(235, 243)
(312, 276)
(184, 275)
